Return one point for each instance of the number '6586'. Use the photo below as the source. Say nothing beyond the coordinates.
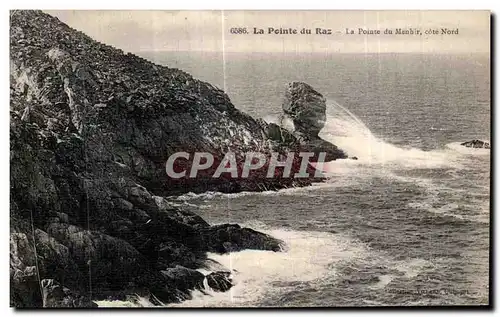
(238, 30)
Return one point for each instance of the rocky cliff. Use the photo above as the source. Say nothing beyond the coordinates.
(91, 129)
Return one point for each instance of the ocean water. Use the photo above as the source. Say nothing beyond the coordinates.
(406, 224)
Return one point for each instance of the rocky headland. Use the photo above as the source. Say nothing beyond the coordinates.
(91, 128)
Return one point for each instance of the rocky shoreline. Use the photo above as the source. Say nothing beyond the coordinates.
(91, 128)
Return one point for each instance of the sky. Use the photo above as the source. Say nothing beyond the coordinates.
(210, 31)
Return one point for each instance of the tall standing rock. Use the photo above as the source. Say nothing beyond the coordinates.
(306, 107)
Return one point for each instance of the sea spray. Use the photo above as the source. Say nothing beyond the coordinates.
(311, 256)
(348, 132)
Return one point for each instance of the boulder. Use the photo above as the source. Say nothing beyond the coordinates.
(184, 279)
(219, 281)
(179, 213)
(232, 237)
(55, 261)
(105, 261)
(55, 295)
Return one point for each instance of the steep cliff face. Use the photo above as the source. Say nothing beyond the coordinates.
(127, 111)
(91, 129)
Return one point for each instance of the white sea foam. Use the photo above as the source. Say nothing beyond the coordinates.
(375, 156)
(384, 280)
(293, 191)
(413, 267)
(137, 301)
(449, 209)
(309, 256)
(312, 256)
(349, 133)
(409, 268)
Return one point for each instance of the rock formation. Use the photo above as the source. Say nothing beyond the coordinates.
(306, 108)
(91, 129)
(476, 144)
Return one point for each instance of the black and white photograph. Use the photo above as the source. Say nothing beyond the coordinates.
(250, 159)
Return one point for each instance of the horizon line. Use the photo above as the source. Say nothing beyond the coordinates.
(305, 53)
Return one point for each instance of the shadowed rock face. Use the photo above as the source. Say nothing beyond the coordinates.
(119, 109)
(219, 281)
(55, 295)
(91, 129)
(306, 107)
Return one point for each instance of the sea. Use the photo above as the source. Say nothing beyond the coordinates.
(407, 224)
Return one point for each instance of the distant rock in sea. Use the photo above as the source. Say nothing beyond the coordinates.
(476, 144)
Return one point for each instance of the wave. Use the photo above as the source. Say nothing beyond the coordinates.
(410, 268)
(293, 191)
(309, 256)
(257, 274)
(312, 260)
(317, 257)
(434, 205)
(349, 133)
